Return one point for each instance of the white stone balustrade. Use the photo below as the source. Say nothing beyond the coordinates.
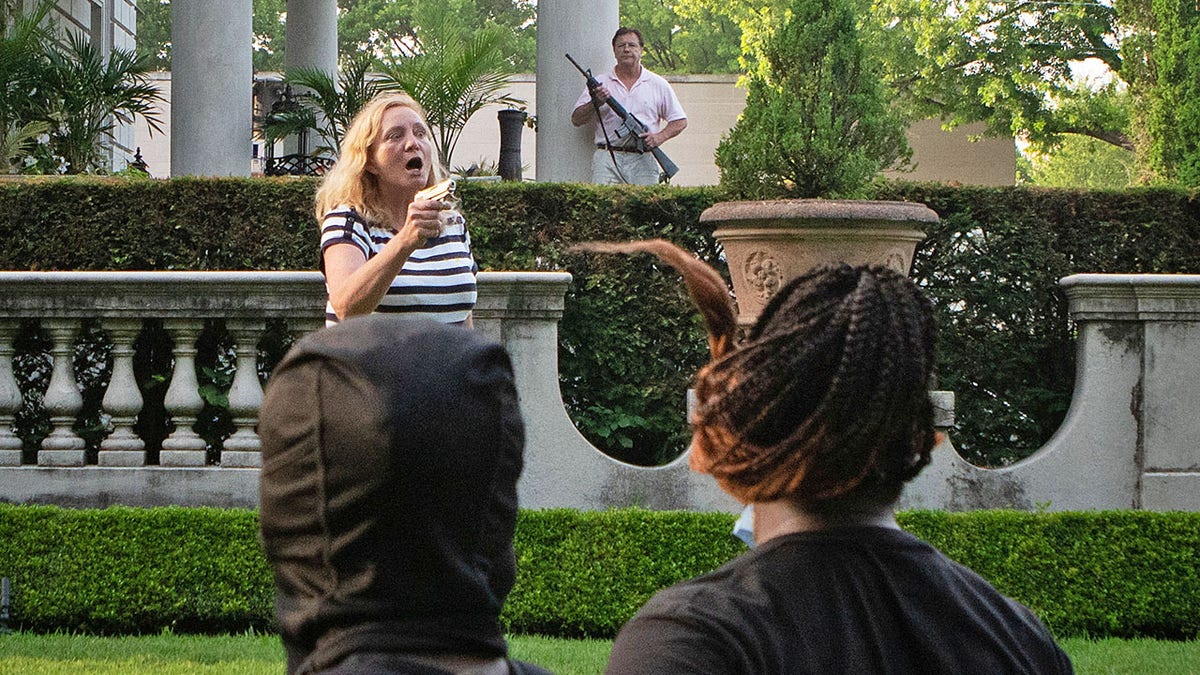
(520, 310)
(10, 397)
(1131, 438)
(183, 447)
(121, 302)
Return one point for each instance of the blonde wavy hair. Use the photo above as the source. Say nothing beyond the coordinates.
(349, 183)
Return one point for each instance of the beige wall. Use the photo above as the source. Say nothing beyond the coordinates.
(713, 103)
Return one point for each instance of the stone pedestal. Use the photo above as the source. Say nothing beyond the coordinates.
(10, 397)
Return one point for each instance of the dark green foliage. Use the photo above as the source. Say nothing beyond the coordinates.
(992, 268)
(583, 574)
(1174, 110)
(1114, 573)
(816, 122)
(125, 570)
(629, 340)
(61, 97)
(185, 224)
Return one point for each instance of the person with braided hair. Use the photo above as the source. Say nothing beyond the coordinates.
(818, 418)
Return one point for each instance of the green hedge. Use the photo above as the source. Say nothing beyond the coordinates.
(629, 339)
(125, 570)
(992, 267)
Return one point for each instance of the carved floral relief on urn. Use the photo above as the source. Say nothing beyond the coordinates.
(769, 243)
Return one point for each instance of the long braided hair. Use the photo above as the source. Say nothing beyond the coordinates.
(826, 399)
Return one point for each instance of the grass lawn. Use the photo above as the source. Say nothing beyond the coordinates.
(261, 654)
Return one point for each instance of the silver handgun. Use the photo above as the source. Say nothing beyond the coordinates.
(439, 192)
(444, 193)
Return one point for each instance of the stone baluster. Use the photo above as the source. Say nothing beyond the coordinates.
(10, 397)
(183, 447)
(297, 328)
(243, 448)
(63, 447)
(122, 399)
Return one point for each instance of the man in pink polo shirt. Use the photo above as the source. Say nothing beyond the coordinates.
(647, 97)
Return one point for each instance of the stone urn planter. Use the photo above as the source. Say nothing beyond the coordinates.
(769, 243)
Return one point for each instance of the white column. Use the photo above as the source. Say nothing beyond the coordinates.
(10, 397)
(311, 43)
(122, 399)
(211, 88)
(584, 28)
(63, 447)
(183, 447)
(243, 448)
(312, 35)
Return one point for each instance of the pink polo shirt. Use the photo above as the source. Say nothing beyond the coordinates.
(651, 100)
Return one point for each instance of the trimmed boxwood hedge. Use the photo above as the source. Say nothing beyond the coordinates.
(629, 340)
(125, 570)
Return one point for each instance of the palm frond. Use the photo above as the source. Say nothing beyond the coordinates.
(15, 141)
(334, 103)
(457, 73)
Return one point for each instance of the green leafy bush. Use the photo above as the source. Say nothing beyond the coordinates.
(604, 565)
(1112, 573)
(816, 122)
(125, 570)
(992, 266)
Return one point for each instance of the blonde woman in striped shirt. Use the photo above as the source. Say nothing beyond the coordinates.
(382, 249)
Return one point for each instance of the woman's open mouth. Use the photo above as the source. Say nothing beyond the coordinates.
(416, 163)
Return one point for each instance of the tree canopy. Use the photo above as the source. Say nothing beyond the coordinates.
(383, 27)
(816, 122)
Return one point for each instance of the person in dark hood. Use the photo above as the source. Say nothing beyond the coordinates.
(818, 417)
(388, 491)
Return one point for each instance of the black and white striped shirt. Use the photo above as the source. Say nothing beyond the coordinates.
(436, 282)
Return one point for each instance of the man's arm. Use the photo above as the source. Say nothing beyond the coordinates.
(583, 113)
(671, 130)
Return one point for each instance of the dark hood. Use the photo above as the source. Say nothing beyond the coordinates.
(391, 452)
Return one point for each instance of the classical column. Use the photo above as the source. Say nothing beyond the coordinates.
(63, 447)
(311, 43)
(122, 399)
(583, 28)
(212, 78)
(10, 397)
(312, 35)
(243, 448)
(184, 447)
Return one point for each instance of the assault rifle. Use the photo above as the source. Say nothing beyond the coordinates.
(629, 124)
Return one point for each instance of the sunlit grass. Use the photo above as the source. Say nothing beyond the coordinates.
(61, 654)
(1134, 657)
(262, 654)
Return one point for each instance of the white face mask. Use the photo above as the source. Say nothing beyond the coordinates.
(744, 527)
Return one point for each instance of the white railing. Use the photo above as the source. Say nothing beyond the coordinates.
(121, 302)
(1131, 438)
(520, 310)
